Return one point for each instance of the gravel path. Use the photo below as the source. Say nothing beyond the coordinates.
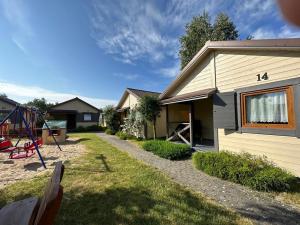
(259, 207)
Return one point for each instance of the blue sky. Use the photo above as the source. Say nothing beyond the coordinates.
(95, 49)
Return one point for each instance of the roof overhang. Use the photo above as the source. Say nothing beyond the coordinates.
(291, 44)
(196, 95)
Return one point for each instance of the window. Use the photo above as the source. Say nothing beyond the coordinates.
(269, 108)
(87, 117)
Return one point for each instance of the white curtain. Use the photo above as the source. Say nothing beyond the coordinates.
(267, 108)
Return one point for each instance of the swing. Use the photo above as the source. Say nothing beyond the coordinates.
(29, 148)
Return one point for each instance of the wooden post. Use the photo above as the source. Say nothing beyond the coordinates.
(167, 121)
(191, 120)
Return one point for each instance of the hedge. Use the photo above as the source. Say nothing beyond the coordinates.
(254, 172)
(167, 150)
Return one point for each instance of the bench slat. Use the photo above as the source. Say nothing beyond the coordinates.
(20, 212)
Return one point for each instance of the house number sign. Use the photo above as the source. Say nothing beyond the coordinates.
(262, 77)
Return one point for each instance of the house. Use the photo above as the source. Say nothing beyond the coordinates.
(240, 96)
(6, 106)
(130, 99)
(76, 112)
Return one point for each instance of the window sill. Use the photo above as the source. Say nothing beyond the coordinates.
(269, 131)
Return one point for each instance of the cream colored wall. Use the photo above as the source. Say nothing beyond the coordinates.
(236, 69)
(131, 101)
(201, 78)
(161, 126)
(239, 69)
(76, 105)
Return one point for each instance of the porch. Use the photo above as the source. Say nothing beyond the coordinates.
(189, 119)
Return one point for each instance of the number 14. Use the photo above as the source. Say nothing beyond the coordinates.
(263, 77)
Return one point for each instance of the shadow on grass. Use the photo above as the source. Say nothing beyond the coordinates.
(138, 206)
(74, 141)
(270, 214)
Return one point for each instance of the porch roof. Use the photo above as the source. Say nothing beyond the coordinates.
(189, 96)
(123, 109)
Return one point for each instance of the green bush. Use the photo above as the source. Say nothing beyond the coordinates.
(245, 169)
(122, 135)
(167, 150)
(109, 131)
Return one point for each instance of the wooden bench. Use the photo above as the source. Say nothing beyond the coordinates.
(34, 211)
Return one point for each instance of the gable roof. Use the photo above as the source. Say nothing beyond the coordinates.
(266, 44)
(137, 93)
(9, 101)
(75, 99)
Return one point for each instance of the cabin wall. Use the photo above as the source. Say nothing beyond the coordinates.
(237, 69)
(131, 101)
(201, 78)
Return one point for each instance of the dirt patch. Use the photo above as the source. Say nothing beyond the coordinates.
(23, 169)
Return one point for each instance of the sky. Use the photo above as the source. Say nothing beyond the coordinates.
(94, 49)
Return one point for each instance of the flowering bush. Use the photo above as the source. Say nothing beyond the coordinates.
(134, 124)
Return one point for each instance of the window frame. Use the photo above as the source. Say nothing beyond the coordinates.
(291, 125)
(89, 115)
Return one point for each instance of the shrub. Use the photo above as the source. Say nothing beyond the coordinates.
(122, 135)
(80, 129)
(168, 150)
(109, 131)
(245, 169)
(111, 118)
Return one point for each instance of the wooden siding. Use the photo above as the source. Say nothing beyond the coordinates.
(236, 69)
(131, 101)
(239, 69)
(161, 129)
(6, 106)
(201, 78)
(283, 150)
(76, 105)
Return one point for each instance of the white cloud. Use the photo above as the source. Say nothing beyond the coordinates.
(170, 72)
(126, 76)
(24, 94)
(284, 32)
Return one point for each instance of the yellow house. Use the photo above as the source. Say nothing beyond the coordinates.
(130, 99)
(240, 96)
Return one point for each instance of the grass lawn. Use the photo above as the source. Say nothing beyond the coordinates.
(106, 186)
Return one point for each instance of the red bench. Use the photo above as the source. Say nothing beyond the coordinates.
(34, 211)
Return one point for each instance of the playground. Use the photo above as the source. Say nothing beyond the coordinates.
(12, 171)
(27, 150)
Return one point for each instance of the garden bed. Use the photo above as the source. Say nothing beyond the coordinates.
(254, 172)
(168, 150)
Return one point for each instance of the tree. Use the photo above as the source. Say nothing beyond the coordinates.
(40, 103)
(200, 30)
(111, 118)
(3, 95)
(149, 107)
(224, 29)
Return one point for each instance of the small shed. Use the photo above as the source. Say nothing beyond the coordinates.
(58, 128)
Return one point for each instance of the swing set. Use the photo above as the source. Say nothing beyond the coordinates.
(28, 117)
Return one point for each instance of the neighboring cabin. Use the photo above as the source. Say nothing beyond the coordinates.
(240, 96)
(76, 112)
(130, 99)
(6, 106)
